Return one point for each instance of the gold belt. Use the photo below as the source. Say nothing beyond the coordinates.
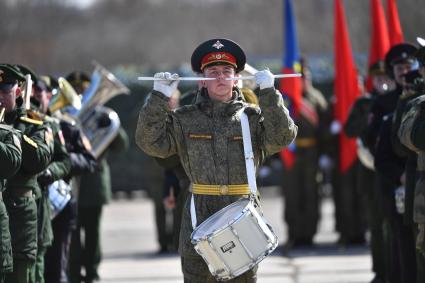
(221, 190)
(305, 142)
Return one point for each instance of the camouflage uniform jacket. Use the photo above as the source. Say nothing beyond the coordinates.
(207, 136)
(411, 134)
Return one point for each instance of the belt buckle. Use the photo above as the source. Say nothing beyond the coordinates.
(224, 190)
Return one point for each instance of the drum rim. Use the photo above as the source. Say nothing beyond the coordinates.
(217, 231)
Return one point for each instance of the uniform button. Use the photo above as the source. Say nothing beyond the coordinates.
(224, 189)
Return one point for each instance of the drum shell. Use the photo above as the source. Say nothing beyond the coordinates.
(237, 246)
(59, 196)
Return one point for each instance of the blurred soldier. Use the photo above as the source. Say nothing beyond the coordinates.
(390, 166)
(37, 150)
(301, 188)
(411, 134)
(206, 137)
(11, 157)
(94, 193)
(59, 167)
(81, 161)
(356, 126)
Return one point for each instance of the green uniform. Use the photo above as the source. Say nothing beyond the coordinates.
(19, 197)
(57, 169)
(95, 192)
(10, 156)
(207, 137)
(301, 188)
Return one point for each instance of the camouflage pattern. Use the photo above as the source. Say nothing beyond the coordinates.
(411, 134)
(208, 138)
(10, 156)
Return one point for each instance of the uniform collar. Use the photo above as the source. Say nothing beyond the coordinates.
(213, 107)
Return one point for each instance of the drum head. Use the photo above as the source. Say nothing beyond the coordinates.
(221, 219)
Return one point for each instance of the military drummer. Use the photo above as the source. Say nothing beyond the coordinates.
(207, 137)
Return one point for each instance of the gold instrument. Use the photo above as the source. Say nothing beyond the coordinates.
(99, 123)
(65, 96)
(2, 111)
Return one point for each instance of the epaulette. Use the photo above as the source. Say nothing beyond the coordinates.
(31, 121)
(29, 141)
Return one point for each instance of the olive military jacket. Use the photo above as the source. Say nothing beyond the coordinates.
(37, 149)
(10, 156)
(207, 135)
(10, 153)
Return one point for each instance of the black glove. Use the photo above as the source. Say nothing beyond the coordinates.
(45, 178)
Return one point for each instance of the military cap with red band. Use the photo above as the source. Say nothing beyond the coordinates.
(218, 51)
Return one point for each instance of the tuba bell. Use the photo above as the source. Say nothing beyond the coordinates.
(65, 96)
(100, 124)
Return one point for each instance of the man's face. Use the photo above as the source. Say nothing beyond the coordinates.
(382, 84)
(43, 98)
(400, 70)
(8, 94)
(220, 89)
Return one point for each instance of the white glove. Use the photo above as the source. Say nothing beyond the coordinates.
(264, 79)
(168, 85)
(336, 127)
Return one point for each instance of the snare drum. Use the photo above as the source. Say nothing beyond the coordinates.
(59, 196)
(234, 239)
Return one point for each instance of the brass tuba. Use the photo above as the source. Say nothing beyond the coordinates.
(100, 124)
(65, 96)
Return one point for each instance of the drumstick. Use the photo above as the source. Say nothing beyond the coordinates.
(278, 76)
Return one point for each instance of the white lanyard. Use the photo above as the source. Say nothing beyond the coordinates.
(249, 163)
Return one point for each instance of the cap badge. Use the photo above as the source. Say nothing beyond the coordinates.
(404, 55)
(218, 45)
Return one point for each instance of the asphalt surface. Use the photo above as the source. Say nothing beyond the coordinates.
(130, 248)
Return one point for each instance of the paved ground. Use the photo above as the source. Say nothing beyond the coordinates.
(129, 249)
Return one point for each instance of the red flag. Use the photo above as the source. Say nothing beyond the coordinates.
(379, 40)
(346, 86)
(394, 26)
(291, 87)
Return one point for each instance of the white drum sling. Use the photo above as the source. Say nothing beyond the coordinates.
(237, 237)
